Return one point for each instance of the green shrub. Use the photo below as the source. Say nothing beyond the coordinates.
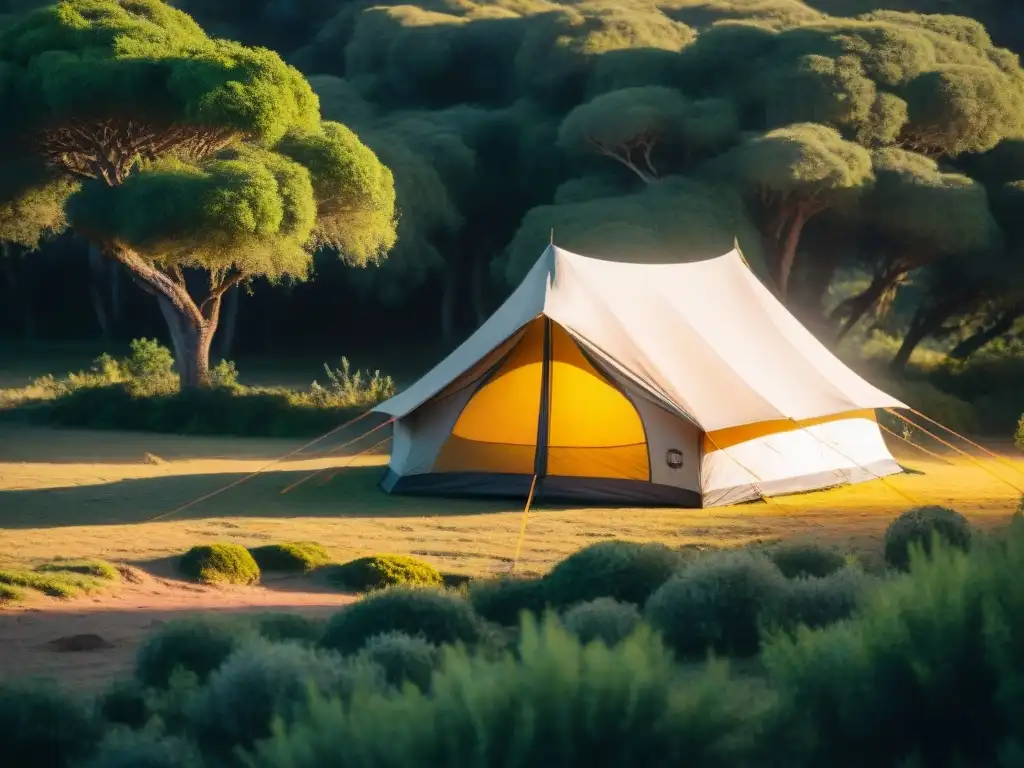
(403, 658)
(553, 702)
(148, 359)
(58, 584)
(797, 559)
(918, 527)
(264, 681)
(293, 556)
(437, 616)
(99, 569)
(124, 702)
(717, 603)
(127, 749)
(380, 571)
(281, 627)
(502, 600)
(602, 619)
(220, 564)
(817, 602)
(42, 726)
(929, 672)
(11, 594)
(198, 645)
(627, 571)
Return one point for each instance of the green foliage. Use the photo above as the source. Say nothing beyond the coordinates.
(717, 603)
(437, 616)
(220, 564)
(888, 687)
(818, 601)
(403, 658)
(381, 571)
(554, 701)
(260, 683)
(503, 600)
(918, 527)
(352, 389)
(627, 571)
(44, 726)
(109, 396)
(99, 569)
(603, 619)
(149, 360)
(129, 749)
(124, 702)
(296, 556)
(11, 594)
(800, 559)
(282, 627)
(196, 645)
(60, 584)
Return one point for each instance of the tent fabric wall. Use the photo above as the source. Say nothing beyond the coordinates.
(685, 384)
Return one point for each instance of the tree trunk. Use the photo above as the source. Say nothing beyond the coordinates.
(477, 292)
(19, 298)
(787, 256)
(227, 333)
(979, 339)
(448, 296)
(97, 279)
(926, 321)
(191, 342)
(855, 307)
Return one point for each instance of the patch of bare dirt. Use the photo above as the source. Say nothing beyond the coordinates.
(86, 643)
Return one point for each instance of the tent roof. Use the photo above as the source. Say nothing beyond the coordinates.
(705, 338)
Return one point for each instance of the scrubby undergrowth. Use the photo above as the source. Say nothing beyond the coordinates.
(141, 392)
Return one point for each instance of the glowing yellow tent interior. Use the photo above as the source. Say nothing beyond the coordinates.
(622, 383)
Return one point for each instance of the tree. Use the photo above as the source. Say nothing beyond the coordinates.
(925, 214)
(197, 164)
(677, 220)
(791, 175)
(631, 124)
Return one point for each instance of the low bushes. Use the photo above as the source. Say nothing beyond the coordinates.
(60, 584)
(799, 559)
(503, 600)
(220, 564)
(552, 702)
(624, 570)
(259, 683)
(403, 658)
(293, 556)
(717, 603)
(96, 568)
(142, 392)
(818, 602)
(930, 672)
(437, 616)
(127, 749)
(380, 571)
(918, 527)
(196, 645)
(282, 627)
(11, 594)
(124, 702)
(603, 619)
(43, 726)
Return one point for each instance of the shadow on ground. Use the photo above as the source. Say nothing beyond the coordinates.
(32, 444)
(352, 493)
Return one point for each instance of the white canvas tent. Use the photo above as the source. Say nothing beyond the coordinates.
(670, 384)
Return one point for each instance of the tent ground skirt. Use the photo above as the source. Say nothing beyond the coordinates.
(570, 490)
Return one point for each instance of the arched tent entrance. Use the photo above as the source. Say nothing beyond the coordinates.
(683, 385)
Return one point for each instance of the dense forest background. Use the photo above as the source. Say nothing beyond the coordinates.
(869, 160)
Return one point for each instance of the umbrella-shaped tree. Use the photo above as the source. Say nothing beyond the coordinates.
(196, 163)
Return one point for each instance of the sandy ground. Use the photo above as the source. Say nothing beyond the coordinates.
(67, 493)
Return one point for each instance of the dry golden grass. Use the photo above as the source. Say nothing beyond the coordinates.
(84, 494)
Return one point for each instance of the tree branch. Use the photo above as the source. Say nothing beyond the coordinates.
(623, 158)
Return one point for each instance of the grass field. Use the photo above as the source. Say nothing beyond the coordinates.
(77, 494)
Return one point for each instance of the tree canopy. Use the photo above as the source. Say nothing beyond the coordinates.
(658, 130)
